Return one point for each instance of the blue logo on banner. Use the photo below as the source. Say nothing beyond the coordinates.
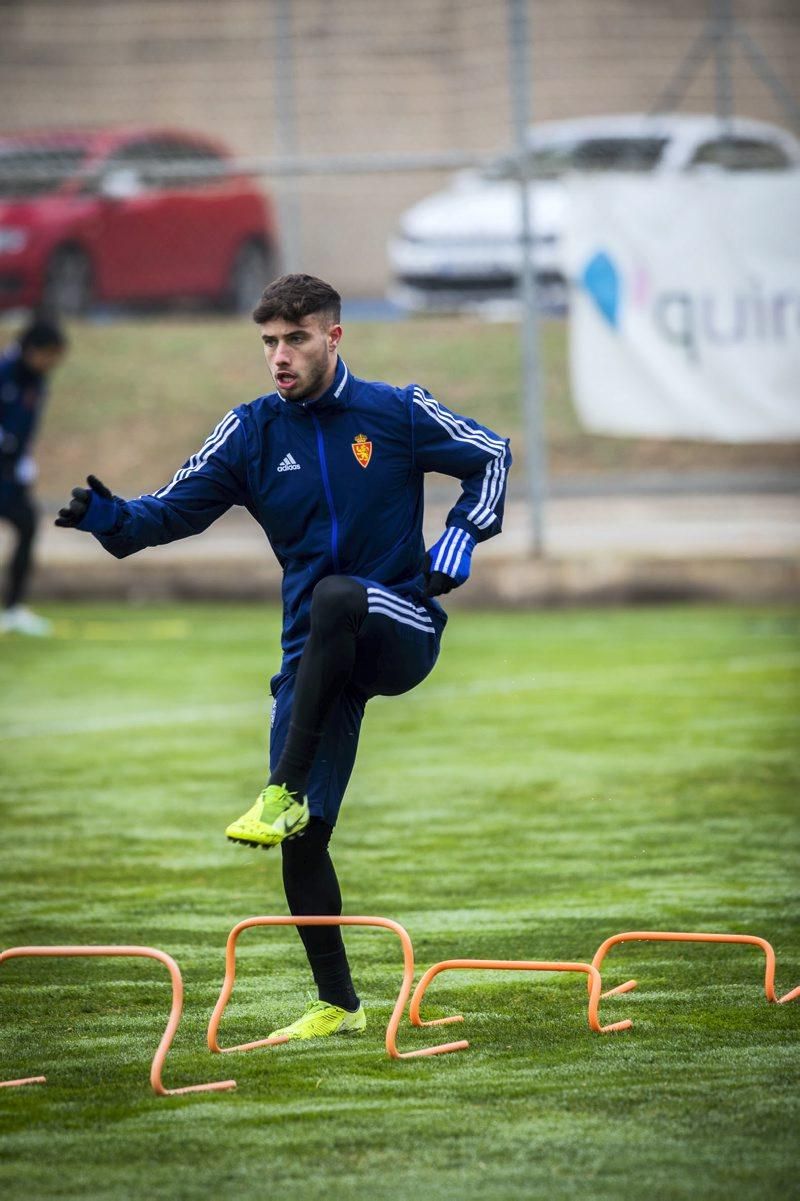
(602, 282)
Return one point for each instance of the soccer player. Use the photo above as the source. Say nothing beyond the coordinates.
(332, 468)
(24, 370)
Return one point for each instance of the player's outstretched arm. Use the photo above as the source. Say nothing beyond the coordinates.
(208, 484)
(92, 509)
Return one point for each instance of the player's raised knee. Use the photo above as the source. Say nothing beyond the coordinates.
(335, 599)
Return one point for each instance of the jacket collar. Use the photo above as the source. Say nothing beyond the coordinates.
(336, 397)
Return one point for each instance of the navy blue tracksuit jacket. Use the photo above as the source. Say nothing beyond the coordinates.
(335, 483)
(22, 399)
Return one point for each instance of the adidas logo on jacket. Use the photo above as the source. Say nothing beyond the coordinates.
(289, 464)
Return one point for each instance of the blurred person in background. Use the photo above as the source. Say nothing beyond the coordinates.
(24, 370)
(332, 467)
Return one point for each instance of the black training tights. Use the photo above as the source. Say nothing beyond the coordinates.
(338, 608)
(19, 510)
(311, 886)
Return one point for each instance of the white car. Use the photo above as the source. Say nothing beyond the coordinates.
(461, 246)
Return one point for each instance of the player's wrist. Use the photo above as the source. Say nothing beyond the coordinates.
(452, 553)
(102, 516)
(449, 560)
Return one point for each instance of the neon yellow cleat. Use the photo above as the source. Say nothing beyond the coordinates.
(321, 1020)
(276, 815)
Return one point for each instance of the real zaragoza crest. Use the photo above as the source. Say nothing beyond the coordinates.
(362, 449)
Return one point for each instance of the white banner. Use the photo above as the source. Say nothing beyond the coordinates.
(685, 309)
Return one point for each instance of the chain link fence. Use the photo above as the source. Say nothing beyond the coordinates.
(347, 112)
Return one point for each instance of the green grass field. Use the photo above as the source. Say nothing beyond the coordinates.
(560, 777)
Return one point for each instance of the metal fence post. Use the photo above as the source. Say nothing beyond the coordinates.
(286, 133)
(529, 323)
(723, 25)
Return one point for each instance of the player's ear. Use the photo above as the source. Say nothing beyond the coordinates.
(334, 336)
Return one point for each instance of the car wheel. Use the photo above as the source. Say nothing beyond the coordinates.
(253, 268)
(68, 283)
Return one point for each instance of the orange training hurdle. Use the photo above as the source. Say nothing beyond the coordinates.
(518, 965)
(394, 1021)
(680, 936)
(172, 1024)
(591, 970)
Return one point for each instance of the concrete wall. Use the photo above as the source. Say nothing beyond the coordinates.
(370, 76)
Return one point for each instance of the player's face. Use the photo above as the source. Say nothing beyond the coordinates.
(301, 355)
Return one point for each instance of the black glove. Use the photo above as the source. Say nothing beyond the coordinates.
(436, 582)
(96, 500)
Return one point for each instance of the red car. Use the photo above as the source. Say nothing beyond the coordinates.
(89, 217)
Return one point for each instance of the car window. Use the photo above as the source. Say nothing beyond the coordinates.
(132, 158)
(142, 157)
(548, 162)
(36, 170)
(152, 158)
(207, 165)
(741, 154)
(197, 164)
(589, 154)
(617, 154)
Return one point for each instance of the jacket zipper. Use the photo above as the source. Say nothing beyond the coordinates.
(327, 485)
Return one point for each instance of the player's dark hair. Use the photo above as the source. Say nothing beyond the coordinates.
(291, 297)
(41, 333)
